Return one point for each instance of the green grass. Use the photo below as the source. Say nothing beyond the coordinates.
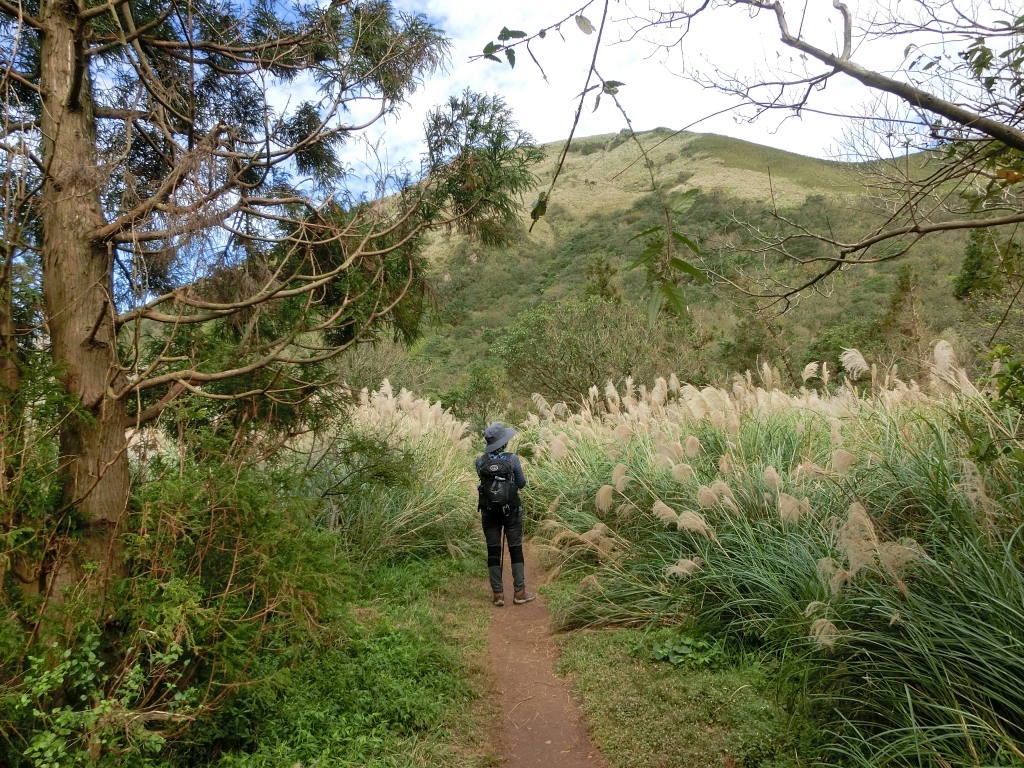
(650, 714)
(400, 684)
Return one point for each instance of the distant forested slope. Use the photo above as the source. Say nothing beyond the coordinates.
(560, 299)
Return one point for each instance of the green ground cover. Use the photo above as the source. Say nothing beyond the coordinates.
(648, 713)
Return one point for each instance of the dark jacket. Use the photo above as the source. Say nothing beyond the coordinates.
(517, 467)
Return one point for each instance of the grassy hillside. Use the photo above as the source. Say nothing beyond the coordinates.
(603, 198)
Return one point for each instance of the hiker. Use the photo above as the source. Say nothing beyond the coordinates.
(501, 477)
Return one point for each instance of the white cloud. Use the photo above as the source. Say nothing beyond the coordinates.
(654, 93)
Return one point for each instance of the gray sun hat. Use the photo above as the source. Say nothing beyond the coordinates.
(497, 435)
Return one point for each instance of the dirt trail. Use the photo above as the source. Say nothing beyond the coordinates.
(541, 722)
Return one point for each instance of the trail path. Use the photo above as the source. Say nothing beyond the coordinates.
(542, 724)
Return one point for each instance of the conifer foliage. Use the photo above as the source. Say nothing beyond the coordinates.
(177, 222)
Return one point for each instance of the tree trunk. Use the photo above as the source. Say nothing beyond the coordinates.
(77, 291)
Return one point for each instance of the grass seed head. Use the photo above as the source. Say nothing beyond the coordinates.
(622, 482)
(722, 490)
(854, 363)
(664, 512)
(857, 539)
(813, 608)
(693, 522)
(824, 632)
(842, 461)
(692, 446)
(682, 472)
(809, 372)
(706, 497)
(618, 472)
(792, 509)
(945, 360)
(685, 567)
(772, 477)
(622, 433)
(603, 500)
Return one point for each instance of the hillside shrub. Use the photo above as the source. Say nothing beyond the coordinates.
(561, 350)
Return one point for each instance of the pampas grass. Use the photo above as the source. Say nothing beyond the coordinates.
(685, 567)
(843, 461)
(854, 363)
(682, 472)
(665, 513)
(706, 497)
(693, 522)
(824, 632)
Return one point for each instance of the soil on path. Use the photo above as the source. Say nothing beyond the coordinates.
(541, 723)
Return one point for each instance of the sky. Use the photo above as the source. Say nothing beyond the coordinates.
(654, 95)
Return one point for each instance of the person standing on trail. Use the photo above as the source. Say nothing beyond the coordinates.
(501, 477)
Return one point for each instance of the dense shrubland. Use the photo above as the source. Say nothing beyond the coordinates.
(245, 550)
(858, 538)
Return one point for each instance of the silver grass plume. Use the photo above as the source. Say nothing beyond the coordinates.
(673, 385)
(622, 433)
(718, 420)
(771, 477)
(824, 632)
(692, 446)
(693, 522)
(541, 403)
(854, 363)
(732, 424)
(857, 539)
(791, 508)
(842, 461)
(722, 490)
(685, 567)
(682, 472)
(611, 393)
(665, 513)
(618, 472)
(945, 360)
(706, 497)
(812, 608)
(809, 372)
(603, 500)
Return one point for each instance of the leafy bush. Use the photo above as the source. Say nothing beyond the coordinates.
(562, 349)
(237, 555)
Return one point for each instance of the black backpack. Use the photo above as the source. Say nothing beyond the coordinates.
(498, 490)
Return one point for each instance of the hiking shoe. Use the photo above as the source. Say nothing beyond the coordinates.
(498, 599)
(522, 596)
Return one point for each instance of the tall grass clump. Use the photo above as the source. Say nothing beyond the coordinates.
(848, 535)
(394, 478)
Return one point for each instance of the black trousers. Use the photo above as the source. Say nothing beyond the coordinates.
(494, 524)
